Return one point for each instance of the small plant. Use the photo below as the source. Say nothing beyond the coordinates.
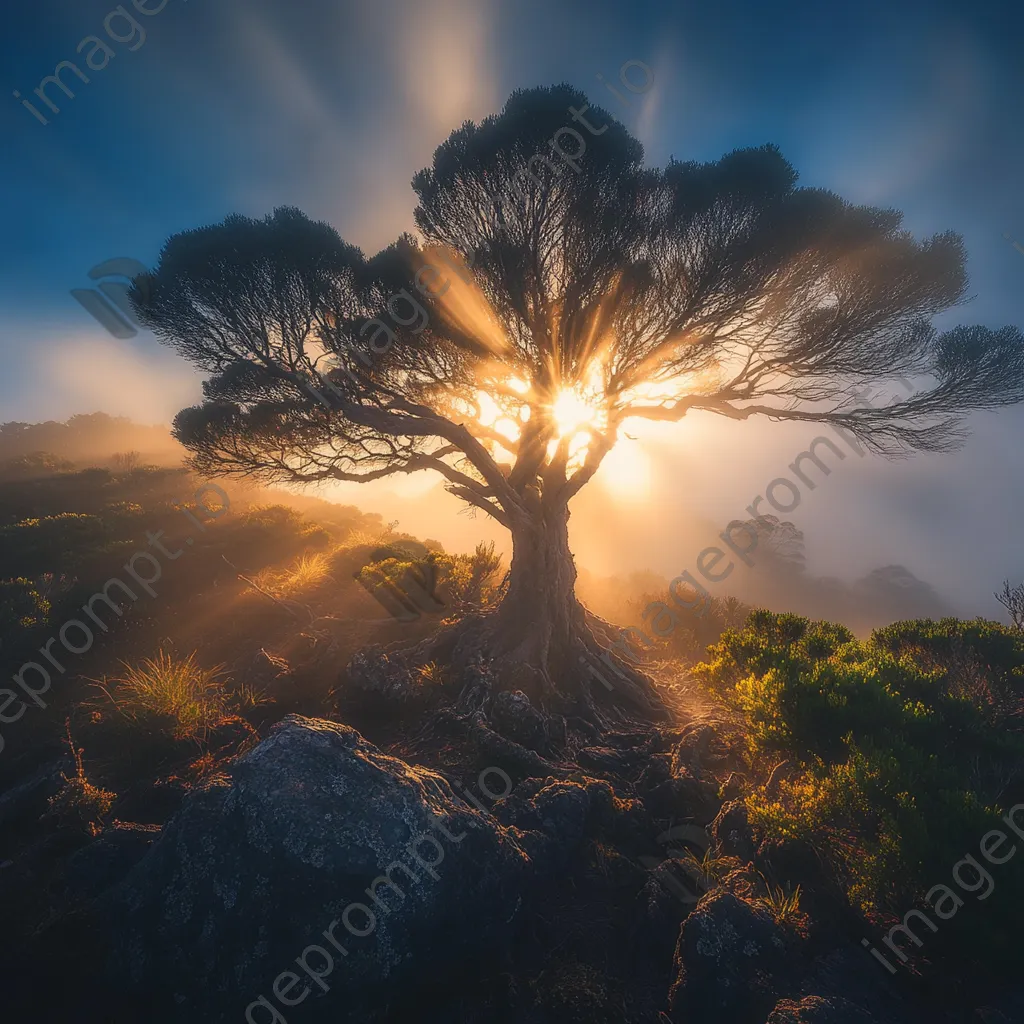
(174, 694)
(432, 674)
(309, 571)
(23, 604)
(711, 869)
(783, 903)
(79, 803)
(246, 697)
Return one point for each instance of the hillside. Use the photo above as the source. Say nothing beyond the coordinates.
(191, 645)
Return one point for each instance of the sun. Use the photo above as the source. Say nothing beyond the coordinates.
(571, 411)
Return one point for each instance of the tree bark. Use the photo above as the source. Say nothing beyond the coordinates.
(541, 637)
(540, 608)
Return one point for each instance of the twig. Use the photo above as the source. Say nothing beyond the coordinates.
(768, 786)
(266, 593)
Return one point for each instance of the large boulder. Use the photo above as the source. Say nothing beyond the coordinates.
(320, 871)
(730, 964)
(107, 859)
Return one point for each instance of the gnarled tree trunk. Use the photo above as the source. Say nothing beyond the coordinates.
(544, 642)
(540, 611)
(541, 640)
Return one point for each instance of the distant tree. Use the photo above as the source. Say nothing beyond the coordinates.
(780, 545)
(125, 462)
(574, 300)
(1012, 599)
(893, 592)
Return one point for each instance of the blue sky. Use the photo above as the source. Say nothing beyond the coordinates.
(243, 105)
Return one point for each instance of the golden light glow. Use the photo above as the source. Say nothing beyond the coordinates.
(578, 413)
(459, 301)
(571, 410)
(626, 471)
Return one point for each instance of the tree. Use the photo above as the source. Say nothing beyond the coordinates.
(780, 546)
(575, 299)
(1012, 599)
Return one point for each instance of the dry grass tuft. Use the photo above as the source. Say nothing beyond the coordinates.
(175, 694)
(784, 906)
(308, 572)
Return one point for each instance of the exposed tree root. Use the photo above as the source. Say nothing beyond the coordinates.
(577, 678)
(494, 747)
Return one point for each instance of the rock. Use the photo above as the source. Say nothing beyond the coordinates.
(730, 964)
(657, 770)
(660, 911)
(574, 993)
(517, 719)
(685, 796)
(27, 801)
(699, 747)
(990, 1015)
(674, 881)
(108, 858)
(815, 1010)
(1004, 1005)
(732, 834)
(607, 759)
(378, 683)
(317, 848)
(850, 973)
(554, 817)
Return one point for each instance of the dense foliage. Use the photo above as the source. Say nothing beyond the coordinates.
(903, 751)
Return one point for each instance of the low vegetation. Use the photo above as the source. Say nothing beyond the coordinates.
(170, 694)
(904, 750)
(78, 803)
(888, 757)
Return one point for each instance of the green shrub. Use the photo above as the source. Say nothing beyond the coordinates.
(23, 605)
(695, 629)
(266, 533)
(904, 749)
(49, 544)
(34, 466)
(460, 582)
(468, 581)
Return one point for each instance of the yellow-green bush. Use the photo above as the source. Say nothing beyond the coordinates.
(899, 766)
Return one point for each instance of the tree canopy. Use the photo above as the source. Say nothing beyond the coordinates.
(615, 289)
